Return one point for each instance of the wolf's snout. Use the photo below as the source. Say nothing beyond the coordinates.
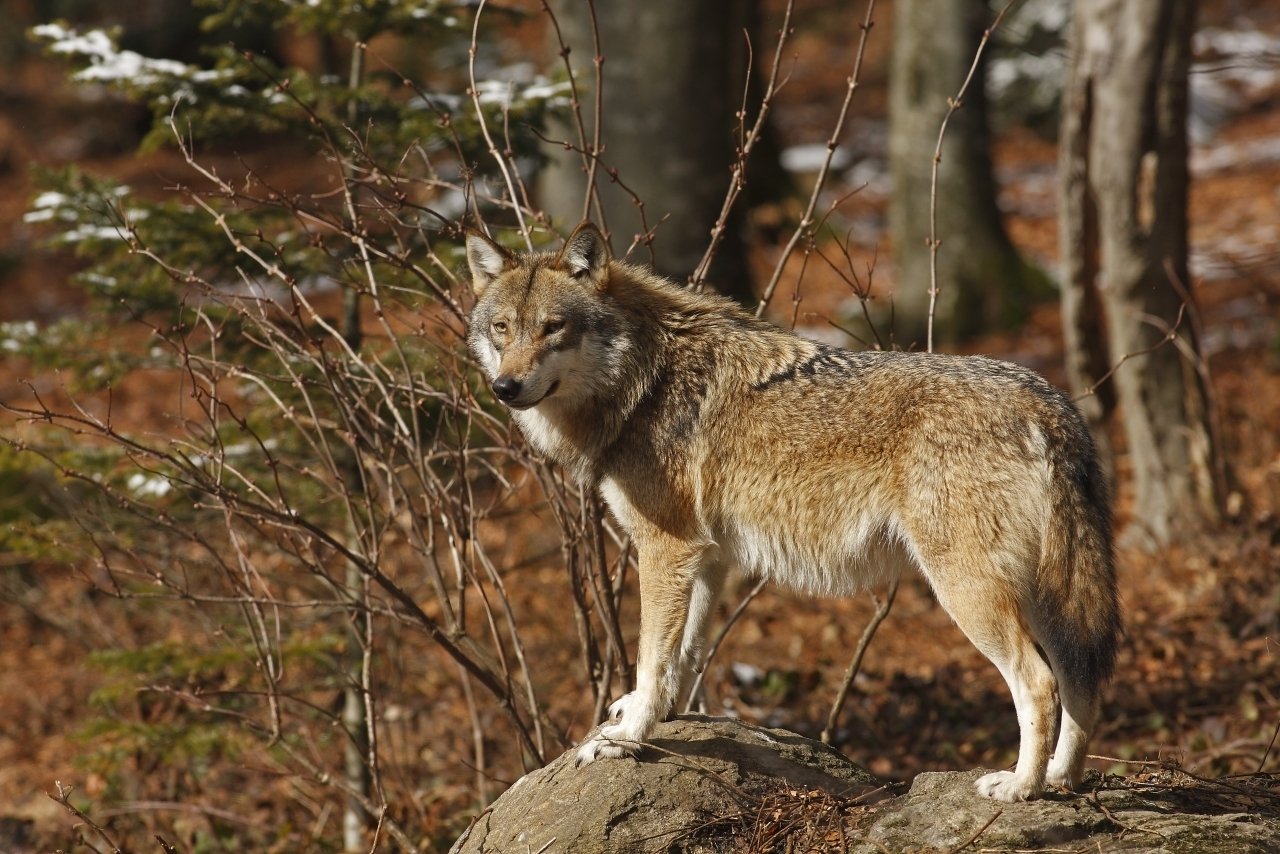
(507, 389)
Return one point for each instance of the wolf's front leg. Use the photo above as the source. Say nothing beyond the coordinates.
(666, 588)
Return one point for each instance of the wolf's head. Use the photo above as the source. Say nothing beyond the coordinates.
(542, 328)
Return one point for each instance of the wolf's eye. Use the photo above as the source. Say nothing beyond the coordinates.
(500, 327)
(551, 327)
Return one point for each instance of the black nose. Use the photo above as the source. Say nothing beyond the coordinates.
(506, 388)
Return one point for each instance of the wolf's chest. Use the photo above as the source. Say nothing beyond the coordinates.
(549, 438)
(541, 432)
(619, 504)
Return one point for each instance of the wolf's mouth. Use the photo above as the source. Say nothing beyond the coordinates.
(551, 389)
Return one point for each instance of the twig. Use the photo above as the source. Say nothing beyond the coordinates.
(747, 142)
(806, 220)
(1266, 753)
(63, 797)
(377, 829)
(1170, 336)
(1097, 802)
(597, 125)
(1221, 476)
(953, 104)
(589, 154)
(498, 157)
(855, 664)
(974, 838)
(715, 646)
(647, 232)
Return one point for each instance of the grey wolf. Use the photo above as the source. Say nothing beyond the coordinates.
(718, 439)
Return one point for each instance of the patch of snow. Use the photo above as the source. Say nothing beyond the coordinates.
(872, 175)
(1044, 72)
(1247, 152)
(1239, 44)
(92, 232)
(50, 199)
(1048, 15)
(105, 282)
(506, 95)
(149, 486)
(17, 333)
(810, 157)
(110, 64)
(746, 674)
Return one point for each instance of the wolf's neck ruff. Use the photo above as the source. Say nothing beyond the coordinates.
(717, 439)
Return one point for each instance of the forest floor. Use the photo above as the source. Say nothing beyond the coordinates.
(1197, 682)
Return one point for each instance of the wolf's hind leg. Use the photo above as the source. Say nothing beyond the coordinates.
(1032, 685)
(1081, 706)
(982, 604)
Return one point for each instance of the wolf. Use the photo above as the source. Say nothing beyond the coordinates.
(717, 439)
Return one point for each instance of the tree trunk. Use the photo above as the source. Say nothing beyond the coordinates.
(982, 281)
(673, 73)
(1124, 247)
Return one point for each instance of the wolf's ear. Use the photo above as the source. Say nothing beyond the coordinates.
(487, 260)
(586, 255)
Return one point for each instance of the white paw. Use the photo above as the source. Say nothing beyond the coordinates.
(619, 707)
(1061, 777)
(612, 742)
(1007, 786)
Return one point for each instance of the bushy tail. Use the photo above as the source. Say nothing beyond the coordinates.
(1078, 605)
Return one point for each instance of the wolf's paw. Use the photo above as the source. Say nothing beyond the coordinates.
(612, 742)
(1006, 786)
(1061, 777)
(619, 707)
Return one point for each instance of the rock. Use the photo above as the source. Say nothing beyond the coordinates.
(710, 785)
(942, 812)
(697, 770)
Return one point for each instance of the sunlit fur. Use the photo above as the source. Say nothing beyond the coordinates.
(717, 440)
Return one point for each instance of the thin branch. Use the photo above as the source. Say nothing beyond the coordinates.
(724, 632)
(953, 104)
(974, 838)
(1170, 335)
(806, 219)
(855, 664)
(64, 798)
(747, 142)
(503, 166)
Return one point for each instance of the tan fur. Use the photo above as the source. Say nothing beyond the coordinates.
(717, 439)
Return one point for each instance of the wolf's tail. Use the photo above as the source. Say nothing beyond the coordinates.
(1078, 613)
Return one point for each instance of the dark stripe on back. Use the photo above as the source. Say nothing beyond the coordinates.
(832, 360)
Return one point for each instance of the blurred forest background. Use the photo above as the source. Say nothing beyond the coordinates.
(277, 574)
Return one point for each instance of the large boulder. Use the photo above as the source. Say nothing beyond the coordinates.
(697, 772)
(710, 785)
